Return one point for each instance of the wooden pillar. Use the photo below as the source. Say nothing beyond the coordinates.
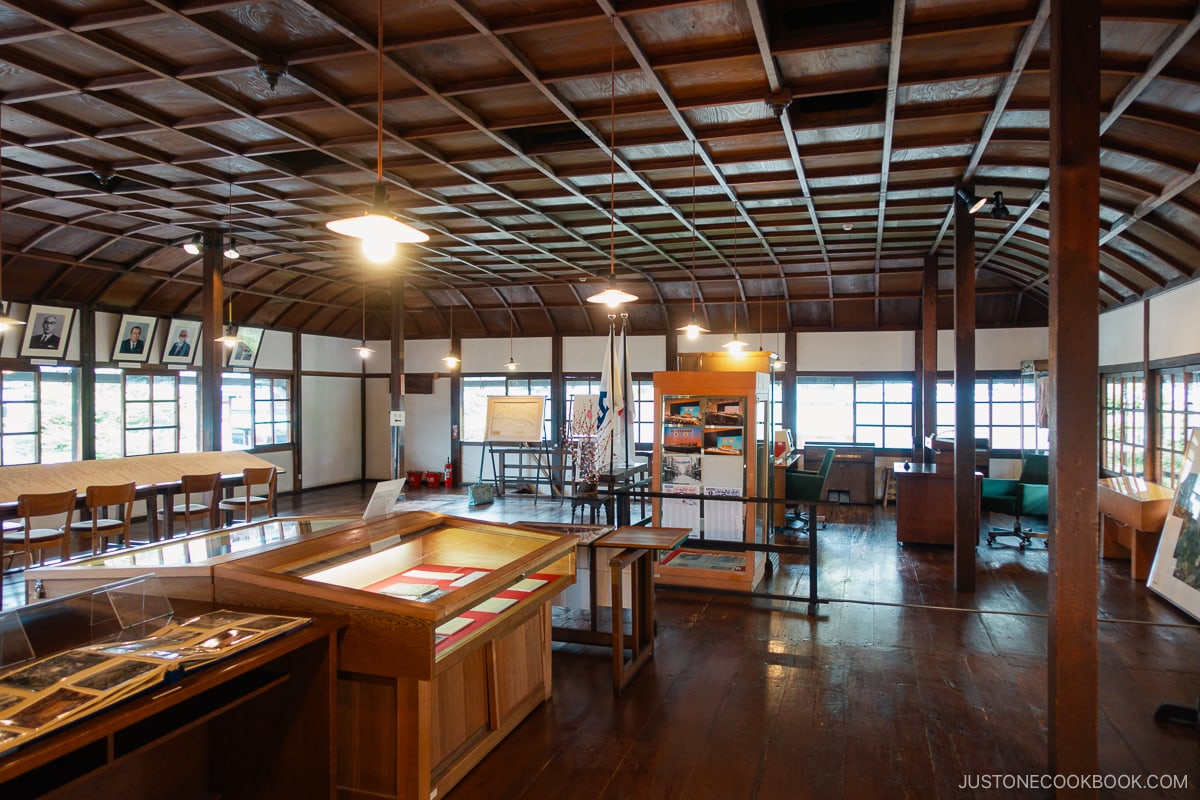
(1150, 415)
(1074, 415)
(672, 356)
(791, 353)
(926, 406)
(297, 404)
(966, 500)
(212, 300)
(86, 397)
(396, 376)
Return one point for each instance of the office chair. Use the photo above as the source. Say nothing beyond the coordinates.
(1027, 496)
(807, 487)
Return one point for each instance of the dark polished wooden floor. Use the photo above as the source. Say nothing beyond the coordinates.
(899, 687)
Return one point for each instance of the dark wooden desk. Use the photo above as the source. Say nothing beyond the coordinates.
(638, 548)
(1132, 513)
(925, 503)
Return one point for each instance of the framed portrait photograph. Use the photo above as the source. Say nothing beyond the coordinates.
(133, 338)
(183, 337)
(245, 352)
(46, 331)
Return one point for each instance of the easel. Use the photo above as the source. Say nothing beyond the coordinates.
(539, 451)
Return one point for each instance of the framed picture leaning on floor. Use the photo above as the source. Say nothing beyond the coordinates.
(1175, 573)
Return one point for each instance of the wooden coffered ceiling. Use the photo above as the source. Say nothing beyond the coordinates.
(790, 163)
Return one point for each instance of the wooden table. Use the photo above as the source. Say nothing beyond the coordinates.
(638, 548)
(154, 475)
(1132, 513)
(925, 502)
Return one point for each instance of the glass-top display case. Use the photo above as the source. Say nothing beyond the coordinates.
(184, 563)
(447, 642)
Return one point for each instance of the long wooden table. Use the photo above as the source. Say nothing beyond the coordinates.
(1132, 513)
(154, 475)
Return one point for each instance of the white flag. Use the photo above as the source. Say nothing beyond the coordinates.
(606, 418)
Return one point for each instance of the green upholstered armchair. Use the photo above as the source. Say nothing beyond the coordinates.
(806, 486)
(1027, 496)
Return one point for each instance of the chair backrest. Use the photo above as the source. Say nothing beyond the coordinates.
(259, 476)
(199, 484)
(49, 504)
(1035, 468)
(827, 462)
(120, 494)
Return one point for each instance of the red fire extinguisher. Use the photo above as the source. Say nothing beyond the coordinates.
(448, 473)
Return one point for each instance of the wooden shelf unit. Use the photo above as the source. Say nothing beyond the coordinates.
(707, 436)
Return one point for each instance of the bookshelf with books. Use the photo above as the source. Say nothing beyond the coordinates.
(709, 444)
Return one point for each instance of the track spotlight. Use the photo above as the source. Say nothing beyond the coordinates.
(195, 245)
(231, 250)
(999, 210)
(972, 202)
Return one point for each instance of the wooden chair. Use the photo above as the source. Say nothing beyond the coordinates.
(30, 537)
(99, 528)
(245, 505)
(199, 501)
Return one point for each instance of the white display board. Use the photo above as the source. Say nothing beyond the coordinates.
(1176, 571)
(514, 419)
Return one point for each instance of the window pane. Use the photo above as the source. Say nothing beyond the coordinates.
(1006, 439)
(164, 415)
(137, 442)
(20, 449)
(20, 418)
(281, 410)
(263, 434)
(19, 386)
(164, 440)
(137, 415)
(869, 414)
(869, 391)
(164, 387)
(137, 387)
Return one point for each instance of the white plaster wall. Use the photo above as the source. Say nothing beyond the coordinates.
(427, 428)
(489, 355)
(1171, 330)
(329, 354)
(331, 419)
(1122, 335)
(997, 348)
(586, 353)
(275, 351)
(855, 351)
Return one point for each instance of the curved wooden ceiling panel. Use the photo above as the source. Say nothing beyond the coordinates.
(127, 129)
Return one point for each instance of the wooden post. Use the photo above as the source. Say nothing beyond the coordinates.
(396, 375)
(966, 500)
(791, 353)
(927, 359)
(87, 388)
(212, 297)
(1074, 415)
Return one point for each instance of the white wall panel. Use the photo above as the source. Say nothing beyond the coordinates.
(329, 354)
(1122, 335)
(855, 351)
(1171, 330)
(378, 429)
(331, 417)
(275, 351)
(490, 355)
(997, 348)
(586, 353)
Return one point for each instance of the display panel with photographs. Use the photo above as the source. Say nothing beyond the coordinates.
(47, 331)
(1175, 573)
(134, 335)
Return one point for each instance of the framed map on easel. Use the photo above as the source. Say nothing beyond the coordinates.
(514, 419)
(1176, 571)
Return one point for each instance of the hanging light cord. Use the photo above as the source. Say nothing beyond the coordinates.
(694, 287)
(612, 151)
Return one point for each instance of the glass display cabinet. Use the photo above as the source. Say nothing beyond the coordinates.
(183, 564)
(448, 641)
(710, 444)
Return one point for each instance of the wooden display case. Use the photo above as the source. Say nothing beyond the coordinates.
(710, 441)
(183, 564)
(422, 695)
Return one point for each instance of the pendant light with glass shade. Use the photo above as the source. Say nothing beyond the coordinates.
(512, 364)
(378, 229)
(229, 336)
(450, 359)
(693, 328)
(611, 296)
(362, 349)
(735, 346)
(6, 321)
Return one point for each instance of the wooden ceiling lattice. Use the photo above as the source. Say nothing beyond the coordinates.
(828, 139)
